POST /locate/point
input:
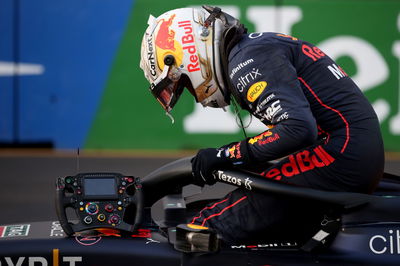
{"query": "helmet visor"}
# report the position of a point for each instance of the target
(166, 90)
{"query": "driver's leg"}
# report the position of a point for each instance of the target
(246, 214)
(243, 214)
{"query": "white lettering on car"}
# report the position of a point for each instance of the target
(381, 244)
(234, 180)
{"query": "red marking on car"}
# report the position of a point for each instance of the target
(144, 233)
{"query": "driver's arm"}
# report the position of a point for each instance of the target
(281, 104)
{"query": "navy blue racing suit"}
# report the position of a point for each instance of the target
(318, 120)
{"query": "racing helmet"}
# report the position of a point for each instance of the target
(181, 49)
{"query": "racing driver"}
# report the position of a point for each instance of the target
(319, 126)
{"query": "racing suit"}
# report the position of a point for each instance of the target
(316, 116)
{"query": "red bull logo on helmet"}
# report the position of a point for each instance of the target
(189, 45)
(165, 42)
(165, 37)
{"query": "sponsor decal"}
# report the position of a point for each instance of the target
(56, 229)
(287, 36)
(273, 110)
(270, 112)
(219, 152)
(139, 233)
(245, 80)
(247, 183)
(285, 244)
(88, 240)
(150, 56)
(14, 230)
(255, 90)
(388, 243)
(259, 137)
(337, 71)
(301, 162)
(55, 260)
(234, 180)
(312, 52)
(231, 152)
(268, 140)
(108, 232)
(165, 37)
(239, 67)
(255, 35)
(143, 233)
(189, 45)
(264, 102)
(283, 116)
(150, 240)
(234, 152)
(166, 43)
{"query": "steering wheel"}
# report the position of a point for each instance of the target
(100, 200)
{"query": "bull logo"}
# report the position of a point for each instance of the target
(165, 42)
(166, 37)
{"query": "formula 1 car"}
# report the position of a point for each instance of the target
(353, 229)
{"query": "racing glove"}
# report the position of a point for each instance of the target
(205, 162)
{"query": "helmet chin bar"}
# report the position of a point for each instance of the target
(160, 85)
(164, 82)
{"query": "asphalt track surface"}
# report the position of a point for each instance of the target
(27, 178)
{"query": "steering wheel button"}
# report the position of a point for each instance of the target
(92, 208)
(109, 207)
(88, 220)
(123, 183)
(119, 202)
(101, 217)
(81, 209)
(130, 179)
(68, 180)
(120, 208)
(114, 220)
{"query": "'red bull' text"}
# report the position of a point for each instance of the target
(301, 162)
(188, 45)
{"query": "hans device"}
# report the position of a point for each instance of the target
(100, 200)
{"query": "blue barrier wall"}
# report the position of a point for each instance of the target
(6, 75)
(65, 50)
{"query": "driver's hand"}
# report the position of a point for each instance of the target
(205, 162)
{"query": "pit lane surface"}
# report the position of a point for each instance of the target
(27, 178)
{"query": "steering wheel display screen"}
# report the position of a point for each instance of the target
(100, 187)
